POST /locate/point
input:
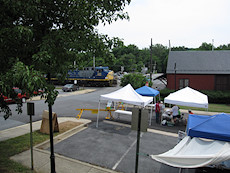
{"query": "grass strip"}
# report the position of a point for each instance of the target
(15, 146)
(211, 108)
(19, 144)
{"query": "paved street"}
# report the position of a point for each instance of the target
(65, 106)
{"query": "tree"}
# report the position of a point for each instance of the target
(180, 48)
(223, 47)
(205, 46)
(45, 37)
(160, 53)
(137, 80)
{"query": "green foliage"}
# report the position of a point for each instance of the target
(165, 92)
(222, 97)
(135, 79)
(134, 59)
(205, 46)
(39, 38)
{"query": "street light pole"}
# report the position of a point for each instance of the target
(52, 157)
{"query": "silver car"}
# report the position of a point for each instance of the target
(70, 87)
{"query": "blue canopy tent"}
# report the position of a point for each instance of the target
(216, 127)
(148, 91)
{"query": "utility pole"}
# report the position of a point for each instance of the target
(169, 46)
(175, 75)
(94, 61)
(151, 61)
(212, 44)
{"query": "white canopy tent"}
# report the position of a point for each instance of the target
(188, 97)
(195, 152)
(126, 95)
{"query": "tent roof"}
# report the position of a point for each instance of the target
(188, 97)
(147, 91)
(195, 152)
(127, 95)
(211, 127)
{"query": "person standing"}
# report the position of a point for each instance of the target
(175, 113)
(157, 111)
(162, 108)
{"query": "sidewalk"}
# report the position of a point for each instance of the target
(42, 157)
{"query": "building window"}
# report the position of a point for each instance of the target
(184, 83)
(222, 82)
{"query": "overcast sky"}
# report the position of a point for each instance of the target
(186, 23)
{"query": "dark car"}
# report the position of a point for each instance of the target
(70, 87)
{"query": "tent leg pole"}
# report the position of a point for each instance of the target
(99, 106)
(151, 114)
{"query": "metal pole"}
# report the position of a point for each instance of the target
(31, 144)
(175, 75)
(138, 140)
(52, 157)
(151, 61)
(94, 62)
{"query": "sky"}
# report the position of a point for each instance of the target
(186, 23)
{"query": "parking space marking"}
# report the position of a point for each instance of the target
(119, 161)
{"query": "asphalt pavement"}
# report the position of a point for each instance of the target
(109, 148)
(113, 146)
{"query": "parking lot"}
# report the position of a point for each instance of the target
(114, 147)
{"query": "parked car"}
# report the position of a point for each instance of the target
(20, 96)
(70, 87)
(39, 92)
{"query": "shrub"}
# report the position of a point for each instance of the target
(218, 96)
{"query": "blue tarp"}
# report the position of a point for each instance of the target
(216, 127)
(147, 91)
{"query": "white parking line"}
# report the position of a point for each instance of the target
(115, 166)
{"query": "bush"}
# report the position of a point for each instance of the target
(222, 97)
(137, 80)
(165, 92)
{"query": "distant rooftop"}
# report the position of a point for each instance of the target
(199, 62)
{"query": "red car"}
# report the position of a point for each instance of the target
(21, 96)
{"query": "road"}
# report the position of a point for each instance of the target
(64, 106)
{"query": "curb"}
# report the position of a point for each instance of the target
(78, 92)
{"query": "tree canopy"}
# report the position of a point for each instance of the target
(44, 37)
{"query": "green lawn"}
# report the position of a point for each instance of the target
(212, 108)
(15, 146)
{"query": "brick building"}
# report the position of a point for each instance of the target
(201, 70)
